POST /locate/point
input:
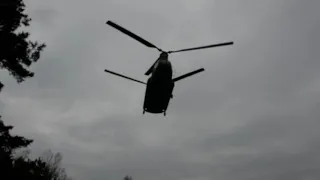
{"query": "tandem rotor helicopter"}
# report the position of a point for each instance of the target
(160, 84)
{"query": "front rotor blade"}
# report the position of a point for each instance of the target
(203, 47)
(188, 74)
(117, 74)
(134, 36)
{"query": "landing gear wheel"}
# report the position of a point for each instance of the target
(164, 113)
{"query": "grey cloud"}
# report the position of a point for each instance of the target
(253, 114)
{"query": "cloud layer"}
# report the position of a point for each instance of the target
(253, 114)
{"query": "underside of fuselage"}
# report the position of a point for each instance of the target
(157, 96)
(159, 89)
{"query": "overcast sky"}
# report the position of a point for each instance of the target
(253, 114)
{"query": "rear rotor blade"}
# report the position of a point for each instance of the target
(131, 34)
(202, 47)
(151, 68)
(188, 74)
(117, 74)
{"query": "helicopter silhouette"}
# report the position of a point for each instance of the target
(160, 84)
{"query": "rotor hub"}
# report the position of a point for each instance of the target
(164, 55)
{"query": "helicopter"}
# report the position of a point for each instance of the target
(160, 84)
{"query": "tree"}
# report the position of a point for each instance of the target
(53, 162)
(127, 178)
(8, 144)
(17, 53)
(22, 167)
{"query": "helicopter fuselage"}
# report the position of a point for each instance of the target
(160, 84)
(159, 88)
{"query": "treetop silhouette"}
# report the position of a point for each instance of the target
(17, 52)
